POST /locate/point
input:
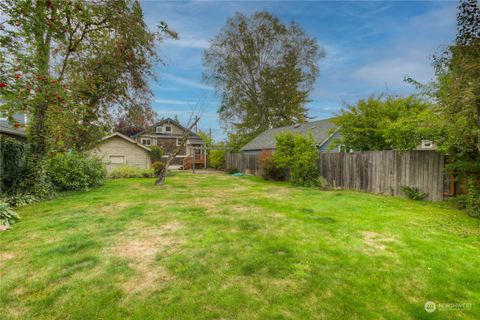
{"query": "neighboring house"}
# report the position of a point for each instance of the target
(10, 130)
(116, 150)
(324, 133)
(168, 134)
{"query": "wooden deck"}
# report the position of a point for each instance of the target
(199, 161)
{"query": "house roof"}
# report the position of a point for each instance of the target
(6, 127)
(118, 134)
(321, 130)
(169, 120)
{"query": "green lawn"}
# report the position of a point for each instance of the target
(221, 247)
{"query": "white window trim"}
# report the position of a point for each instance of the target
(168, 131)
(118, 156)
(146, 140)
(159, 129)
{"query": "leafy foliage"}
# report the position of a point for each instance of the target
(270, 170)
(131, 172)
(216, 159)
(413, 193)
(73, 171)
(299, 154)
(158, 167)
(13, 154)
(156, 154)
(264, 71)
(7, 215)
(384, 123)
(66, 63)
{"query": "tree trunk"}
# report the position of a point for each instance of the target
(38, 130)
(163, 173)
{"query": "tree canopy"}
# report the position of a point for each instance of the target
(264, 71)
(68, 63)
(384, 123)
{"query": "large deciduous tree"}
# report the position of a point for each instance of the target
(66, 63)
(264, 71)
(384, 123)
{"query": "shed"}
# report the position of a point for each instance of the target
(118, 150)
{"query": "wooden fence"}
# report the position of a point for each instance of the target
(381, 172)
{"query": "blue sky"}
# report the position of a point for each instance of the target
(370, 46)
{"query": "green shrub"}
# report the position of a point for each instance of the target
(270, 171)
(472, 199)
(413, 193)
(36, 182)
(156, 154)
(73, 171)
(157, 167)
(122, 172)
(13, 154)
(217, 159)
(299, 154)
(19, 200)
(231, 170)
(7, 215)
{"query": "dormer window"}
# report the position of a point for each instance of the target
(168, 129)
(159, 130)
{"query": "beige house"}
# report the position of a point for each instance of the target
(168, 135)
(118, 150)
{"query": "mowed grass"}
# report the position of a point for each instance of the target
(222, 247)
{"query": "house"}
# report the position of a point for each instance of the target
(168, 135)
(324, 133)
(117, 150)
(8, 129)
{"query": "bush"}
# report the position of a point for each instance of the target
(7, 215)
(413, 193)
(73, 171)
(131, 172)
(157, 167)
(217, 159)
(472, 199)
(156, 154)
(13, 154)
(231, 170)
(36, 182)
(19, 200)
(299, 154)
(270, 171)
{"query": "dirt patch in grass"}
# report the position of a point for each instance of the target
(376, 243)
(140, 245)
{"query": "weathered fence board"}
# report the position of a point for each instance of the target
(382, 172)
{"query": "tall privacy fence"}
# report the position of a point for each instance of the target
(372, 171)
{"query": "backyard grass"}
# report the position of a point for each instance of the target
(215, 246)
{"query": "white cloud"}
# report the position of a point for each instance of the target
(186, 82)
(175, 102)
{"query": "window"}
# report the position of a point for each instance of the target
(116, 159)
(427, 144)
(168, 129)
(159, 130)
(178, 142)
(146, 142)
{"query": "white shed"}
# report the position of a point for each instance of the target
(119, 150)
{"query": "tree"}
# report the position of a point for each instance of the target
(384, 123)
(299, 154)
(67, 62)
(264, 71)
(135, 119)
